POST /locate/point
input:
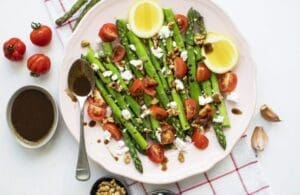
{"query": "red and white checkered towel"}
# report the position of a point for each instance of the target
(237, 174)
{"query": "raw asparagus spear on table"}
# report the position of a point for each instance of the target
(75, 7)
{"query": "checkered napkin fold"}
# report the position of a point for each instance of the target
(237, 174)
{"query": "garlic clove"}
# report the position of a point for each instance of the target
(268, 114)
(259, 139)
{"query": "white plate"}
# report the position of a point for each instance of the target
(196, 161)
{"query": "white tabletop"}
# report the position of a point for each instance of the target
(273, 32)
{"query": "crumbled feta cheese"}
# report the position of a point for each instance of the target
(188, 139)
(107, 73)
(144, 107)
(97, 55)
(121, 151)
(145, 113)
(179, 84)
(163, 70)
(165, 32)
(98, 41)
(127, 75)
(184, 55)
(137, 63)
(108, 112)
(164, 42)
(174, 44)
(126, 114)
(172, 105)
(204, 100)
(101, 53)
(180, 144)
(114, 77)
(132, 47)
(107, 135)
(169, 72)
(218, 119)
(157, 52)
(158, 134)
(121, 68)
(95, 67)
(233, 97)
(128, 26)
(121, 143)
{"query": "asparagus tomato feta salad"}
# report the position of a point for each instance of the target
(161, 81)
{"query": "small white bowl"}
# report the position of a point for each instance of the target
(19, 138)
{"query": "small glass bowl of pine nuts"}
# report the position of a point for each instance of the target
(110, 185)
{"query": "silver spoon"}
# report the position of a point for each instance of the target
(81, 82)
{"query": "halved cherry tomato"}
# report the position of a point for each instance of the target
(199, 139)
(158, 112)
(150, 91)
(156, 153)
(190, 108)
(203, 73)
(118, 54)
(149, 86)
(108, 32)
(41, 35)
(167, 134)
(96, 99)
(137, 87)
(182, 22)
(96, 113)
(180, 67)
(14, 49)
(227, 82)
(114, 130)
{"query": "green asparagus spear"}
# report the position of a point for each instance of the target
(189, 35)
(150, 70)
(122, 31)
(90, 56)
(220, 135)
(182, 117)
(133, 153)
(107, 49)
(157, 66)
(76, 6)
(154, 123)
(118, 114)
(194, 86)
(170, 17)
(85, 10)
(221, 107)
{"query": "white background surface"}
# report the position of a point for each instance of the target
(272, 30)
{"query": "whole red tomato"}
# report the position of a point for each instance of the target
(38, 64)
(41, 35)
(14, 49)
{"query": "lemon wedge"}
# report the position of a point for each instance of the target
(221, 54)
(146, 18)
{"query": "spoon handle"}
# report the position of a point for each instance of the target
(82, 168)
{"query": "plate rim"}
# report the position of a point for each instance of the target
(246, 47)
